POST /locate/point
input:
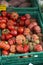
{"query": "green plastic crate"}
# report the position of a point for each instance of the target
(15, 60)
(40, 11)
(33, 8)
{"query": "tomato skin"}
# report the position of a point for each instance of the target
(0, 17)
(8, 36)
(19, 48)
(4, 46)
(28, 16)
(10, 27)
(27, 22)
(14, 32)
(4, 52)
(3, 20)
(11, 41)
(21, 23)
(3, 26)
(3, 37)
(38, 48)
(20, 39)
(4, 13)
(13, 49)
(23, 18)
(25, 48)
(20, 30)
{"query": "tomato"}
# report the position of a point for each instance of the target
(14, 32)
(27, 22)
(26, 31)
(21, 23)
(28, 16)
(8, 15)
(25, 48)
(8, 36)
(12, 41)
(10, 22)
(4, 46)
(4, 52)
(3, 26)
(10, 27)
(19, 48)
(20, 30)
(4, 13)
(3, 37)
(3, 21)
(37, 29)
(5, 31)
(23, 18)
(38, 48)
(0, 17)
(13, 49)
(20, 39)
(14, 15)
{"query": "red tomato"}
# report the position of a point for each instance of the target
(3, 26)
(3, 21)
(3, 37)
(23, 18)
(0, 17)
(10, 22)
(8, 36)
(4, 46)
(25, 48)
(10, 27)
(38, 48)
(4, 13)
(11, 41)
(27, 22)
(14, 15)
(26, 31)
(20, 30)
(28, 16)
(19, 48)
(4, 52)
(21, 23)
(14, 32)
(20, 39)
(13, 49)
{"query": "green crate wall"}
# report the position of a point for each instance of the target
(14, 60)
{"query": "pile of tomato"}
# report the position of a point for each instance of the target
(19, 34)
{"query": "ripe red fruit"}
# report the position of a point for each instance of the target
(4, 46)
(3, 21)
(19, 48)
(23, 18)
(14, 32)
(4, 13)
(0, 17)
(38, 48)
(8, 36)
(37, 29)
(3, 25)
(20, 30)
(13, 49)
(27, 22)
(26, 31)
(3, 37)
(10, 27)
(21, 23)
(20, 39)
(4, 52)
(25, 48)
(11, 41)
(28, 16)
